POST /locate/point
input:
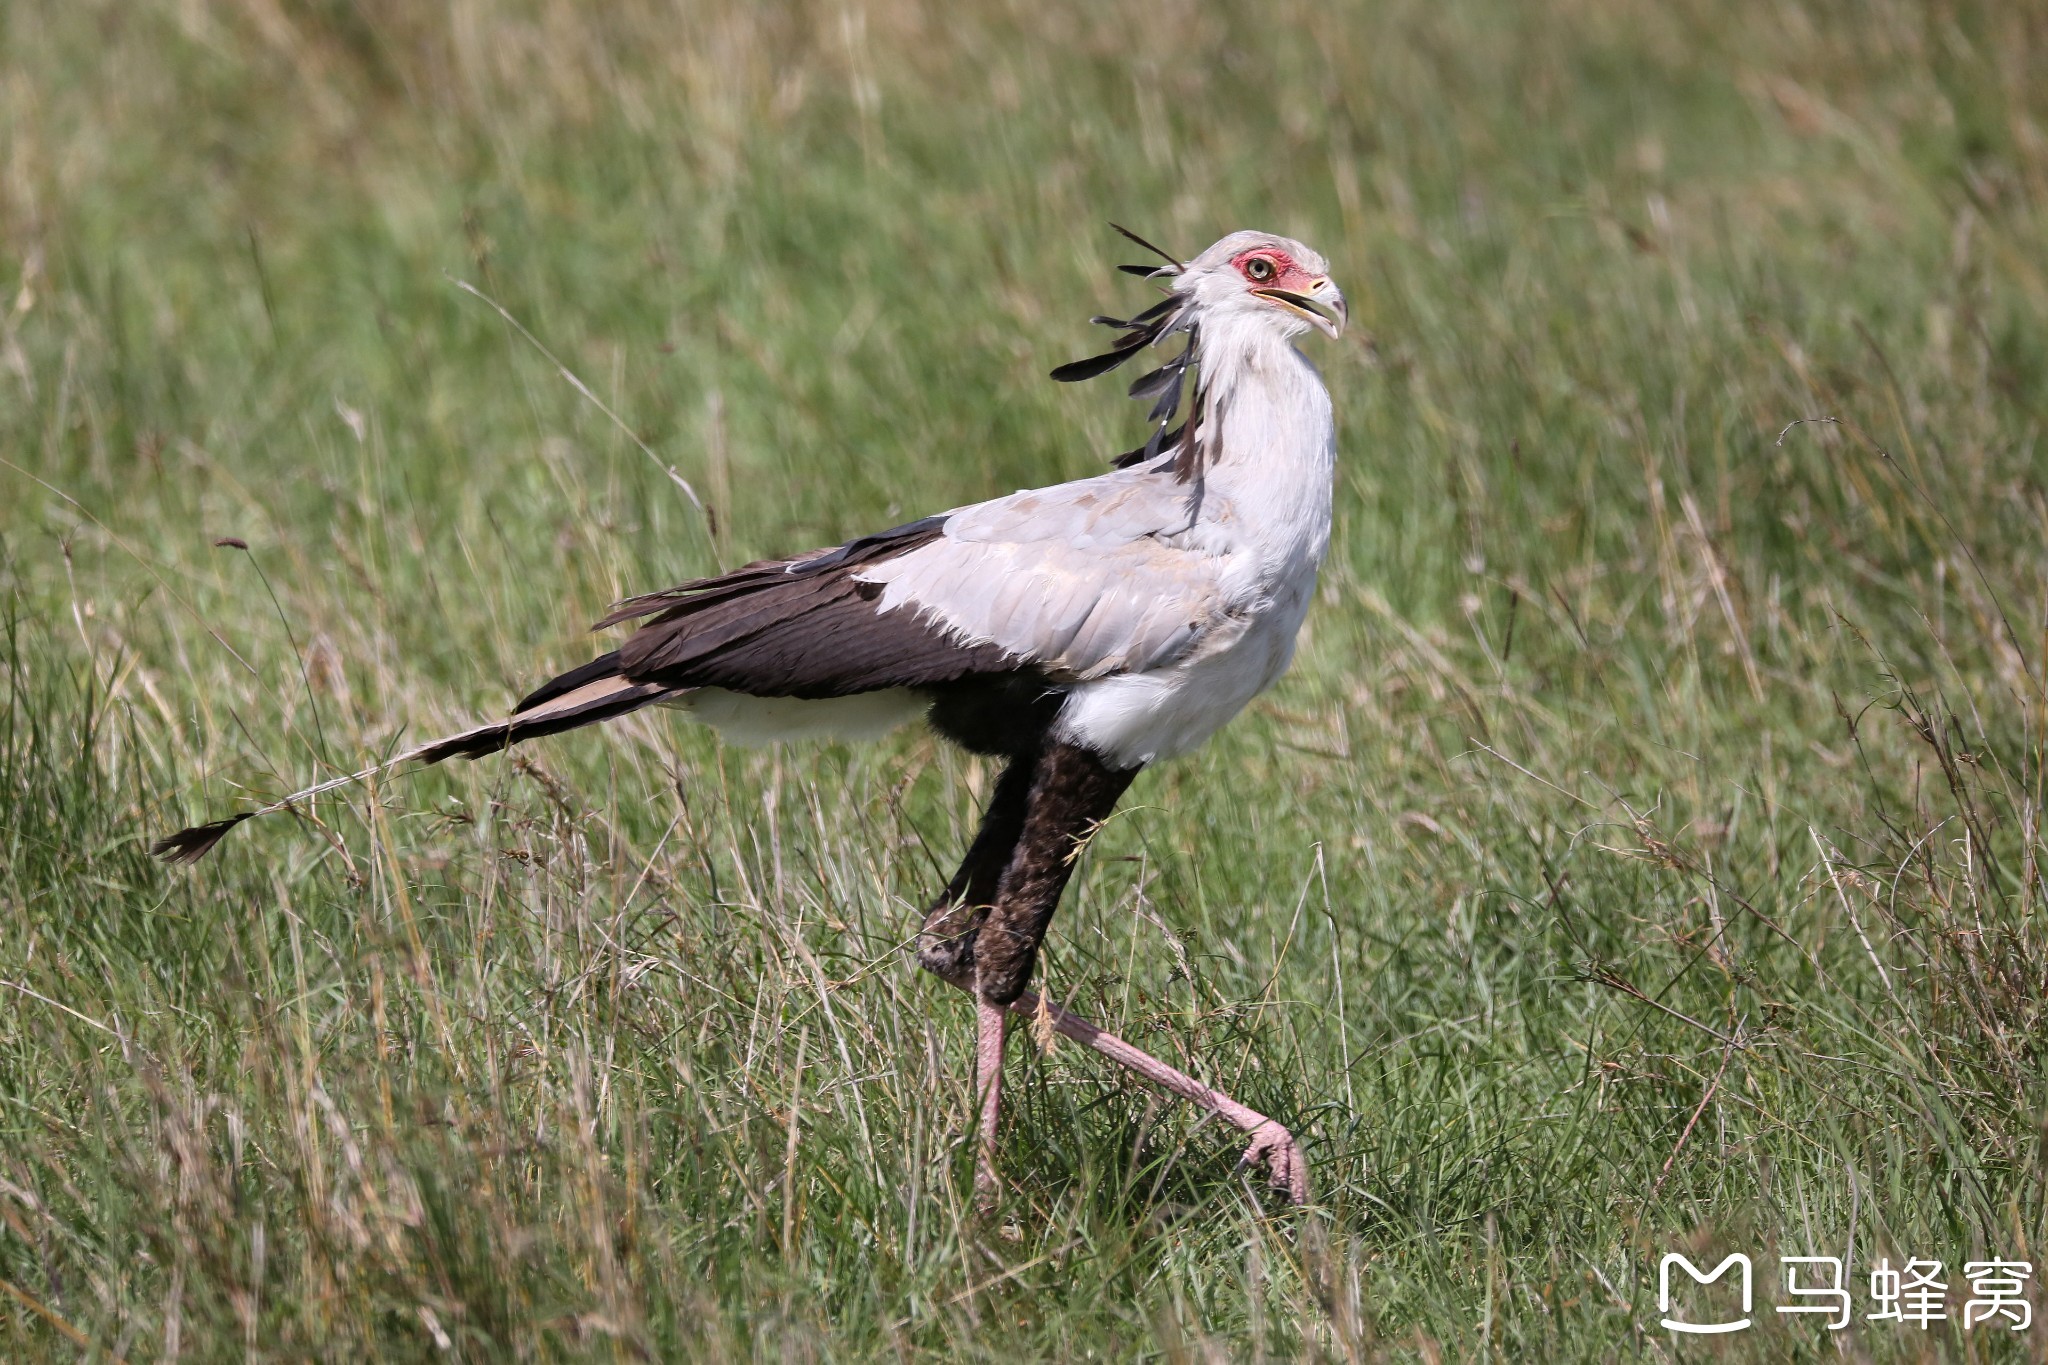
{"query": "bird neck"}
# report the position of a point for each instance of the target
(1269, 444)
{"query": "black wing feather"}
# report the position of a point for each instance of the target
(804, 627)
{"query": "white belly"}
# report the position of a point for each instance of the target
(1141, 718)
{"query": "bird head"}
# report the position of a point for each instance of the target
(1248, 277)
(1247, 281)
(1256, 277)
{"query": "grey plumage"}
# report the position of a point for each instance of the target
(987, 611)
(1082, 632)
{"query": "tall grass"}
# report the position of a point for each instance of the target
(1643, 855)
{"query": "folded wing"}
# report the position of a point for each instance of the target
(1084, 580)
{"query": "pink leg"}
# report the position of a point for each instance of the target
(1272, 1145)
(992, 1024)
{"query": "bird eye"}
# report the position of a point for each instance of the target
(1259, 269)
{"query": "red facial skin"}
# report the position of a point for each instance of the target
(1286, 275)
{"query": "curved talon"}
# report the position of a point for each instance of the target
(1275, 1148)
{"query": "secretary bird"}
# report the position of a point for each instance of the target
(1078, 633)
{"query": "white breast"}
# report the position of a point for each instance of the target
(1141, 718)
(1268, 501)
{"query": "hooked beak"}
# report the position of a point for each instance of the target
(1323, 305)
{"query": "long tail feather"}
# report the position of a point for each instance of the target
(598, 700)
(190, 845)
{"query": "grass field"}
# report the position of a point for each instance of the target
(1643, 855)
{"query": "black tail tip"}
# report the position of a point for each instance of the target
(188, 846)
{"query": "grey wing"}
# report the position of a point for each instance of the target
(1086, 579)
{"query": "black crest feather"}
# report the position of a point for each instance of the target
(1073, 372)
(1154, 447)
(1162, 254)
(1165, 386)
(1157, 322)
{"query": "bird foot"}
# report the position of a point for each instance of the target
(1275, 1148)
(988, 1189)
